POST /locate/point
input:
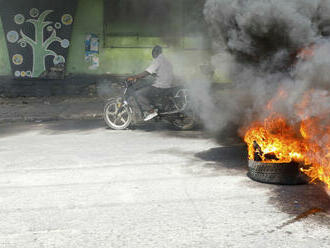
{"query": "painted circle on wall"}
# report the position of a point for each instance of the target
(23, 44)
(65, 43)
(34, 12)
(50, 28)
(19, 19)
(58, 25)
(17, 73)
(59, 59)
(29, 73)
(23, 74)
(12, 36)
(67, 19)
(17, 59)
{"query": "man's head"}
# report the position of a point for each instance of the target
(156, 51)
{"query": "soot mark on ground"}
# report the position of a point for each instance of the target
(300, 202)
(299, 217)
(297, 200)
(310, 201)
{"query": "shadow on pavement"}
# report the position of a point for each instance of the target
(167, 130)
(230, 157)
(73, 125)
(53, 127)
(10, 129)
(300, 201)
(64, 126)
(193, 134)
(152, 126)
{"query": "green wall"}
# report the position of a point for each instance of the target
(89, 16)
(89, 19)
(4, 59)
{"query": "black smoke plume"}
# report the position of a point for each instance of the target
(259, 44)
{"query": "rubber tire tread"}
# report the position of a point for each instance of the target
(276, 173)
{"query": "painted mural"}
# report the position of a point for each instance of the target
(38, 37)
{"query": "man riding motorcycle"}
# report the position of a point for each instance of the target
(163, 70)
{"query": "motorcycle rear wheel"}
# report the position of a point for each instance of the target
(185, 122)
(116, 116)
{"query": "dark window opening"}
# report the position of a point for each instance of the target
(143, 23)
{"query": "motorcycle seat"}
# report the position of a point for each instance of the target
(167, 92)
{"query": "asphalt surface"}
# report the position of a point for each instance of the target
(78, 184)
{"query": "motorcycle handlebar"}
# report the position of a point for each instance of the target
(123, 84)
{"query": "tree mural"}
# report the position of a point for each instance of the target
(41, 44)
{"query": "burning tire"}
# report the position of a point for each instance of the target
(276, 173)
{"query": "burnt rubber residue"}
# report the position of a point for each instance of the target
(301, 216)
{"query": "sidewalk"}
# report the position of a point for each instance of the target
(68, 107)
(50, 108)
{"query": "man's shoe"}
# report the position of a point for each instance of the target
(150, 115)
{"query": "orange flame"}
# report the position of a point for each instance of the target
(276, 139)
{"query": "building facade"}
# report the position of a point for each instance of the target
(103, 37)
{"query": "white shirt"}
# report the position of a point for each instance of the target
(164, 72)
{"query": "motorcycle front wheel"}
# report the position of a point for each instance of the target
(116, 115)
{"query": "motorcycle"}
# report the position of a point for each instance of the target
(125, 111)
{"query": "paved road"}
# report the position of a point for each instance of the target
(76, 184)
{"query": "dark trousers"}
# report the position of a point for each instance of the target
(147, 95)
